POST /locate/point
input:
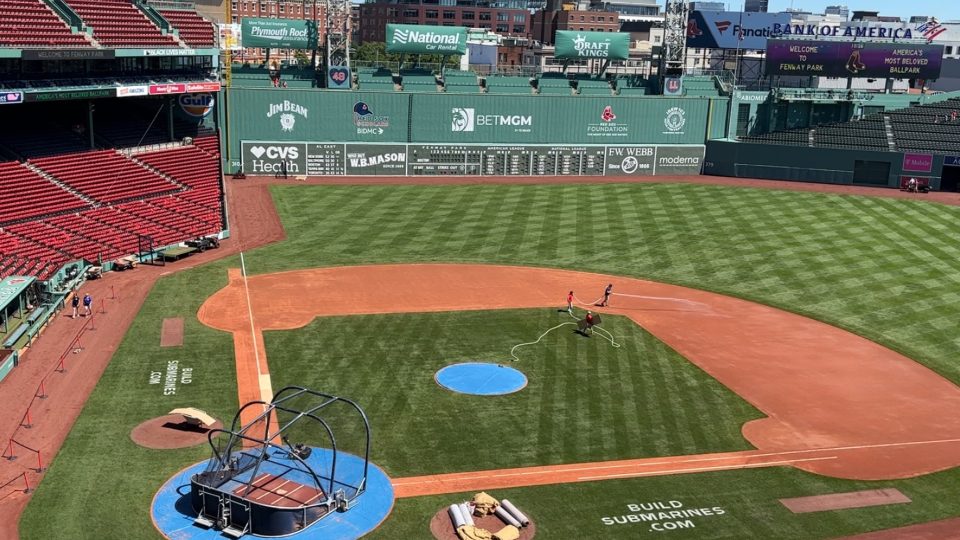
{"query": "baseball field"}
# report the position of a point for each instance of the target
(769, 344)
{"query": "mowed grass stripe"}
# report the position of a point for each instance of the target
(570, 389)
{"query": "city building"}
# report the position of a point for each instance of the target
(842, 11)
(374, 17)
(639, 8)
(756, 5)
(708, 6)
(546, 23)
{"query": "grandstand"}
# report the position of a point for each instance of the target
(932, 128)
(84, 175)
(32, 23)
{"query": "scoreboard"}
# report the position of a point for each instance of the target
(359, 159)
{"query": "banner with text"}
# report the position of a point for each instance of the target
(732, 29)
(582, 45)
(278, 33)
(418, 39)
(853, 59)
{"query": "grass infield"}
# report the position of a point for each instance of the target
(883, 268)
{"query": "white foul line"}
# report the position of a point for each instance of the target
(253, 336)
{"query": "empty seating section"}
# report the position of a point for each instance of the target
(43, 225)
(105, 176)
(25, 194)
(929, 128)
(209, 144)
(30, 23)
(508, 85)
(118, 23)
(193, 29)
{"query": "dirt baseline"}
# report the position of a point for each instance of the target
(822, 388)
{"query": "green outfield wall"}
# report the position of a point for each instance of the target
(824, 165)
(314, 116)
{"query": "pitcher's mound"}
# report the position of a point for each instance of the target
(442, 527)
(170, 432)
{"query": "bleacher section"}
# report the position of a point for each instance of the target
(375, 79)
(700, 86)
(929, 128)
(497, 84)
(418, 80)
(43, 225)
(193, 29)
(105, 176)
(460, 81)
(31, 23)
(118, 23)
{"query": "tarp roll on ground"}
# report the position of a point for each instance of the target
(465, 512)
(517, 514)
(506, 517)
(456, 516)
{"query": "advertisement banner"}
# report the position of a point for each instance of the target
(65, 95)
(917, 162)
(68, 54)
(196, 105)
(10, 98)
(951, 161)
(418, 39)
(278, 33)
(679, 160)
(203, 87)
(853, 59)
(272, 159)
(164, 89)
(630, 160)
(230, 37)
(376, 159)
(132, 91)
(733, 29)
(580, 45)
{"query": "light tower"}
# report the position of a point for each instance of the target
(673, 55)
(339, 33)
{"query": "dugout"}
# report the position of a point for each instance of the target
(18, 296)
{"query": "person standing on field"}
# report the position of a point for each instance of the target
(87, 302)
(570, 302)
(606, 294)
(76, 305)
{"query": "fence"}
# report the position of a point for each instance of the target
(14, 445)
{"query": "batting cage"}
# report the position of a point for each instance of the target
(284, 465)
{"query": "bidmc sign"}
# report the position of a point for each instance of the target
(417, 39)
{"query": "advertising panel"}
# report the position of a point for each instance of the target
(419, 39)
(679, 160)
(630, 160)
(164, 89)
(853, 59)
(733, 29)
(230, 37)
(10, 98)
(133, 91)
(278, 33)
(917, 162)
(68, 54)
(376, 159)
(581, 45)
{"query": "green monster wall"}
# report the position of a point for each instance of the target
(316, 116)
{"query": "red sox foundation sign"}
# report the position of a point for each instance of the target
(663, 516)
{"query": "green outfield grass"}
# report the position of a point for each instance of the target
(886, 269)
(585, 399)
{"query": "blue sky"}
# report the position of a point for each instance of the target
(941, 9)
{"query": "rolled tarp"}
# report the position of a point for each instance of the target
(456, 516)
(506, 517)
(465, 512)
(517, 514)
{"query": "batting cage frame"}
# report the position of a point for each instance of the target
(259, 481)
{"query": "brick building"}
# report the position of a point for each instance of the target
(544, 24)
(374, 17)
